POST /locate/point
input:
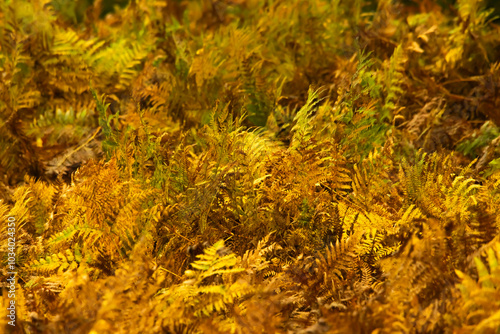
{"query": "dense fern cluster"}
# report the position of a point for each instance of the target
(250, 166)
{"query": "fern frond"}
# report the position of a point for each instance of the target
(393, 82)
(213, 262)
(66, 234)
(61, 262)
(461, 195)
(339, 258)
(373, 248)
(302, 130)
(481, 307)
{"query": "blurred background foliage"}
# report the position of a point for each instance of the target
(75, 9)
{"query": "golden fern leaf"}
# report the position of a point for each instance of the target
(340, 258)
(373, 247)
(480, 309)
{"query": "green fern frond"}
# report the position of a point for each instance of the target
(60, 262)
(302, 130)
(110, 143)
(393, 82)
(259, 105)
(68, 126)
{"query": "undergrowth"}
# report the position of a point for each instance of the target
(250, 166)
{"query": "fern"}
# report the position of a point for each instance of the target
(393, 83)
(302, 129)
(258, 108)
(341, 209)
(200, 294)
(372, 247)
(480, 308)
(340, 260)
(111, 141)
(61, 262)
(472, 20)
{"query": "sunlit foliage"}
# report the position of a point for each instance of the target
(251, 166)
